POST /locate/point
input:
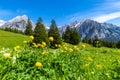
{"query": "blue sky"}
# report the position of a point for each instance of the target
(63, 11)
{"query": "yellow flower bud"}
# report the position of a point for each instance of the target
(51, 38)
(31, 37)
(38, 64)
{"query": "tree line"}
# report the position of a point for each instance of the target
(70, 35)
(15, 30)
(41, 35)
(96, 42)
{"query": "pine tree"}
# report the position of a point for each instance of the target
(67, 35)
(96, 42)
(28, 30)
(85, 40)
(40, 34)
(54, 32)
(118, 44)
(75, 37)
(63, 36)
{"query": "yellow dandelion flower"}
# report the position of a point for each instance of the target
(86, 65)
(55, 45)
(31, 37)
(70, 49)
(38, 64)
(7, 55)
(89, 59)
(51, 38)
(44, 44)
(35, 45)
(18, 47)
(83, 46)
(76, 48)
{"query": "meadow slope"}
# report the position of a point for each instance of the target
(69, 62)
(81, 62)
(10, 40)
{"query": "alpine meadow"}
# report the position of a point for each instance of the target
(60, 40)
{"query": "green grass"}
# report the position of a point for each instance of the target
(81, 62)
(10, 40)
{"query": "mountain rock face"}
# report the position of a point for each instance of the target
(18, 22)
(89, 28)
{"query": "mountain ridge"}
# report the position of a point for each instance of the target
(86, 28)
(18, 22)
(90, 28)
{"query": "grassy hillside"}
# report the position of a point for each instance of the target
(82, 62)
(10, 40)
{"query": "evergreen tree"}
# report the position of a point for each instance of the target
(118, 44)
(85, 40)
(75, 37)
(54, 32)
(28, 30)
(40, 34)
(63, 36)
(96, 42)
(67, 35)
(90, 41)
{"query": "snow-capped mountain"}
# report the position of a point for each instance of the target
(2, 22)
(86, 28)
(89, 28)
(18, 22)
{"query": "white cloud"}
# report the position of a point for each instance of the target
(109, 5)
(107, 17)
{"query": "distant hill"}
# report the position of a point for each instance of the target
(10, 40)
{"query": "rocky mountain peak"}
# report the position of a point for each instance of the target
(90, 28)
(18, 22)
(19, 18)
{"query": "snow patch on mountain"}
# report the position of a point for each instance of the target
(2, 22)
